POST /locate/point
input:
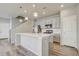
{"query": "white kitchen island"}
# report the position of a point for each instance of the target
(37, 43)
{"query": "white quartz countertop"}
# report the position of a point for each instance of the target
(34, 34)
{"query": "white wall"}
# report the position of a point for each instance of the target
(69, 27)
(22, 28)
(4, 28)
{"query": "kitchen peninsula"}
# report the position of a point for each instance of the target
(38, 43)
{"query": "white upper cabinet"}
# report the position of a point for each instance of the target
(54, 20)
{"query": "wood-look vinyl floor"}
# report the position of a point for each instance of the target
(58, 50)
(6, 49)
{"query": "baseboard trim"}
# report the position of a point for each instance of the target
(3, 38)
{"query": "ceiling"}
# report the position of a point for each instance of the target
(8, 10)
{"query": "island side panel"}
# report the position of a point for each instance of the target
(33, 44)
(45, 46)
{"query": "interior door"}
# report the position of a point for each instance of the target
(69, 34)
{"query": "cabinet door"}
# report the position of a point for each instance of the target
(56, 23)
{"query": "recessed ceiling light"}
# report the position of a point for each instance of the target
(25, 11)
(26, 18)
(34, 5)
(44, 12)
(20, 20)
(62, 5)
(35, 14)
